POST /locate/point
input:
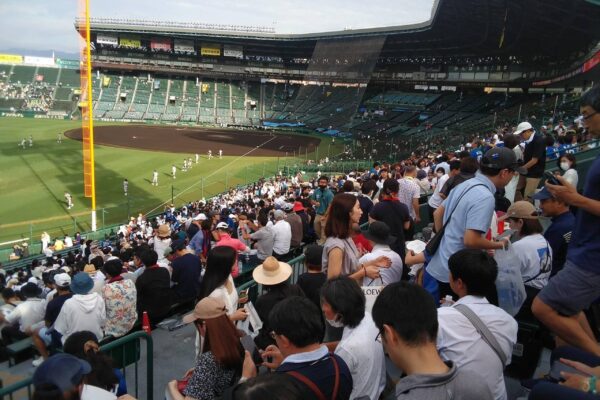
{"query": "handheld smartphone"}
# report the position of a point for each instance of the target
(506, 234)
(243, 296)
(248, 344)
(558, 367)
(550, 178)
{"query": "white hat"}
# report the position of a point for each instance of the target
(222, 225)
(62, 280)
(200, 217)
(522, 127)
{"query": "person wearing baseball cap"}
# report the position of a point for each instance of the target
(60, 377)
(222, 354)
(534, 158)
(26, 316)
(558, 234)
(225, 239)
(471, 205)
(47, 337)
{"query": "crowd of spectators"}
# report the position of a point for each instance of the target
(358, 303)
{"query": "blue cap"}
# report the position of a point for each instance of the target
(61, 370)
(543, 194)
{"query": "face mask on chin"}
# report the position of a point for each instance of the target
(336, 323)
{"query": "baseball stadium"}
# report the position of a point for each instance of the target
(185, 114)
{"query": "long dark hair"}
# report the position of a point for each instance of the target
(219, 264)
(338, 218)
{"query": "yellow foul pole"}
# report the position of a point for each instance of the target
(87, 120)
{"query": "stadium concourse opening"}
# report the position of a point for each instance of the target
(200, 140)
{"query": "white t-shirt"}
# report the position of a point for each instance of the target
(364, 357)
(282, 237)
(388, 275)
(230, 299)
(436, 200)
(533, 251)
(571, 176)
(29, 313)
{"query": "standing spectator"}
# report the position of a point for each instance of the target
(295, 224)
(196, 234)
(340, 255)
(120, 297)
(186, 272)
(559, 305)
(409, 193)
(343, 303)
(558, 234)
(567, 164)
(282, 236)
(311, 281)
(321, 198)
(367, 191)
(534, 158)
(472, 278)
(472, 207)
(406, 317)
(85, 311)
(152, 285)
(468, 168)
(395, 214)
(511, 142)
(436, 199)
(160, 242)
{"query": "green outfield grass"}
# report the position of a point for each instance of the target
(33, 180)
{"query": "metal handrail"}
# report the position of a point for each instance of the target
(121, 342)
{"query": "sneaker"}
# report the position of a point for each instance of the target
(38, 361)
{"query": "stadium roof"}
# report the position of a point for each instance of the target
(522, 28)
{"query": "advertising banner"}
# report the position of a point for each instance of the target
(184, 46)
(11, 59)
(71, 64)
(160, 44)
(107, 39)
(130, 42)
(210, 50)
(233, 51)
(43, 61)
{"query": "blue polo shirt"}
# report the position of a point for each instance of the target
(584, 249)
(558, 236)
(474, 211)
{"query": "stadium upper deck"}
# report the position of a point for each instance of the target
(528, 40)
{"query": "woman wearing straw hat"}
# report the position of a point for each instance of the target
(160, 241)
(274, 276)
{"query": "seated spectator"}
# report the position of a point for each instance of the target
(273, 275)
(160, 241)
(84, 311)
(282, 236)
(263, 240)
(380, 237)
(406, 316)
(225, 239)
(267, 387)
(532, 250)
(297, 330)
(11, 301)
(295, 224)
(343, 305)
(186, 273)
(60, 377)
(567, 164)
(26, 317)
(152, 286)
(311, 281)
(220, 364)
(120, 297)
(558, 234)
(84, 345)
(472, 277)
(47, 337)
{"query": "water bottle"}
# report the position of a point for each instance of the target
(448, 302)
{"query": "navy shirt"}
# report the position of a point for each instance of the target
(536, 149)
(54, 306)
(186, 276)
(584, 249)
(558, 235)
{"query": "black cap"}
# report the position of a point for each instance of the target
(501, 158)
(379, 232)
(177, 245)
(391, 185)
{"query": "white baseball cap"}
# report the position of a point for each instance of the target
(62, 280)
(200, 217)
(522, 127)
(222, 225)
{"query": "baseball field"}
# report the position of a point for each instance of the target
(34, 179)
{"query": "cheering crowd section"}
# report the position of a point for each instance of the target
(324, 335)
